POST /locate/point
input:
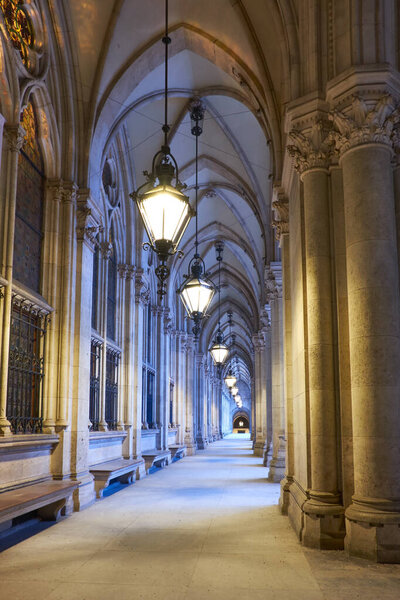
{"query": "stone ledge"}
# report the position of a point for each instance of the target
(16, 444)
(105, 438)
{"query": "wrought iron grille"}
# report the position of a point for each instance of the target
(94, 399)
(111, 407)
(26, 368)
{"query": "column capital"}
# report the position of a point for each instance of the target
(280, 208)
(142, 288)
(258, 342)
(88, 221)
(311, 147)
(14, 137)
(365, 122)
(189, 343)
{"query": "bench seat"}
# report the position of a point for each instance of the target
(156, 458)
(50, 499)
(125, 470)
(178, 450)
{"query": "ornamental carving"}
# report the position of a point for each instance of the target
(280, 208)
(311, 150)
(142, 289)
(87, 227)
(273, 288)
(14, 136)
(258, 342)
(364, 124)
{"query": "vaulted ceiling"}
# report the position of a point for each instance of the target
(231, 55)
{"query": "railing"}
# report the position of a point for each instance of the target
(26, 367)
(94, 397)
(111, 396)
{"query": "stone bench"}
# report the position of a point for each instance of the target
(50, 499)
(156, 458)
(178, 450)
(125, 470)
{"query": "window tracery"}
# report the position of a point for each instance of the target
(20, 28)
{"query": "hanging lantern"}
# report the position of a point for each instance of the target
(197, 291)
(230, 379)
(234, 390)
(164, 208)
(219, 351)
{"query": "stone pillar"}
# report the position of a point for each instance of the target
(260, 445)
(142, 298)
(127, 386)
(13, 140)
(167, 331)
(280, 207)
(86, 230)
(274, 294)
(201, 402)
(180, 384)
(323, 521)
(363, 136)
(189, 428)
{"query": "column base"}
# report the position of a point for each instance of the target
(276, 470)
(260, 448)
(324, 525)
(318, 521)
(5, 427)
(284, 497)
(85, 495)
(201, 442)
(373, 530)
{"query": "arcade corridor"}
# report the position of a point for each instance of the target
(206, 527)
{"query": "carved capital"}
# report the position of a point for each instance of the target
(258, 342)
(311, 149)
(105, 249)
(14, 137)
(142, 289)
(273, 287)
(280, 208)
(365, 122)
(87, 226)
(126, 271)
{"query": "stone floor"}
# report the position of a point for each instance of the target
(206, 527)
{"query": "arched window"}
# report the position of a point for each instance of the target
(29, 206)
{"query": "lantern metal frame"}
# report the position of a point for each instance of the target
(218, 341)
(196, 267)
(164, 169)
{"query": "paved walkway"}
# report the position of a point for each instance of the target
(204, 528)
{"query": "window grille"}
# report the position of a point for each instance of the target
(26, 368)
(171, 403)
(94, 399)
(111, 407)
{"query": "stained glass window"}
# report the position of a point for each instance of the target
(112, 291)
(19, 27)
(29, 206)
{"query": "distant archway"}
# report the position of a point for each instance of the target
(241, 424)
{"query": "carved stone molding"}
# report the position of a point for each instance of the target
(280, 207)
(273, 287)
(87, 226)
(363, 123)
(258, 342)
(105, 249)
(311, 149)
(126, 271)
(13, 137)
(142, 289)
(189, 343)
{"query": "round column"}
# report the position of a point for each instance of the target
(323, 524)
(373, 294)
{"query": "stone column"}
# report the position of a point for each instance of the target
(363, 137)
(274, 294)
(260, 445)
(167, 330)
(86, 230)
(323, 524)
(180, 384)
(13, 140)
(142, 298)
(127, 386)
(281, 208)
(201, 402)
(189, 428)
